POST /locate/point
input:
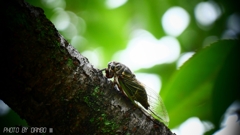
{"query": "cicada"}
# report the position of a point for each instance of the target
(136, 91)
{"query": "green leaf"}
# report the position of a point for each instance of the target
(226, 89)
(194, 89)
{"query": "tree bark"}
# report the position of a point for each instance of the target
(50, 84)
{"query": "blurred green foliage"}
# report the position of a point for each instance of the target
(110, 29)
(204, 86)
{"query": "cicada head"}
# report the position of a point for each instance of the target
(110, 70)
(120, 69)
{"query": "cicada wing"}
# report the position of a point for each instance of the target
(157, 106)
(149, 100)
(134, 90)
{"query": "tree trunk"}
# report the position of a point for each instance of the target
(50, 84)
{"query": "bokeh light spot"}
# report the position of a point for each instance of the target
(70, 31)
(150, 80)
(183, 58)
(54, 3)
(78, 41)
(206, 13)
(192, 126)
(94, 56)
(233, 27)
(115, 3)
(4, 109)
(209, 40)
(175, 20)
(60, 19)
(144, 51)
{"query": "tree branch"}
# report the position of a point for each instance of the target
(50, 84)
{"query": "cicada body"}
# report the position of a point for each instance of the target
(136, 91)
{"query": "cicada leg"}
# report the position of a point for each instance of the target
(115, 82)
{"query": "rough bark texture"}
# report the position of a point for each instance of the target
(49, 84)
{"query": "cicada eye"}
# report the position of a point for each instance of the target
(112, 67)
